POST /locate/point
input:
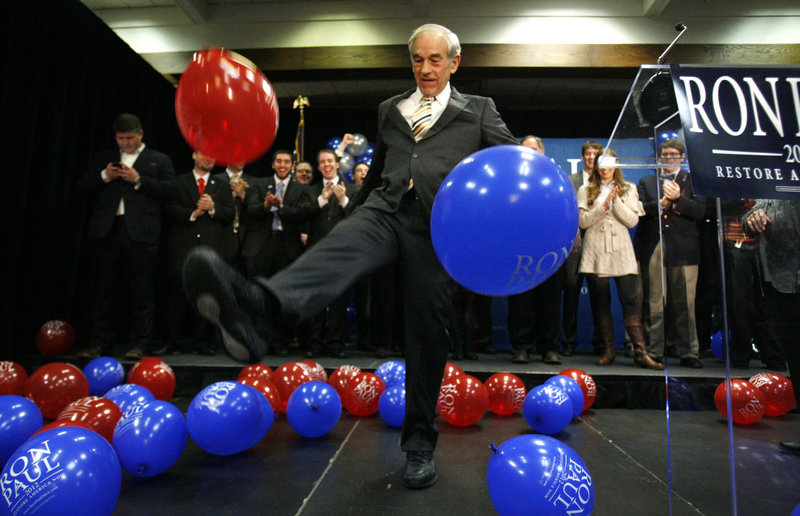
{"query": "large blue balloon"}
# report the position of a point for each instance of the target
(537, 474)
(392, 405)
(313, 409)
(504, 220)
(572, 389)
(226, 418)
(267, 412)
(150, 438)
(548, 409)
(103, 374)
(392, 372)
(62, 471)
(129, 394)
(20, 418)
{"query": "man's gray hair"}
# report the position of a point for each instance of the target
(453, 45)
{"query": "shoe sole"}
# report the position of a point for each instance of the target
(429, 483)
(239, 338)
(208, 307)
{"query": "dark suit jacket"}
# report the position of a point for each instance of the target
(233, 240)
(184, 234)
(468, 124)
(142, 206)
(292, 214)
(322, 220)
(678, 223)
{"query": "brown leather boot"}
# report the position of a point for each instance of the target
(606, 330)
(640, 356)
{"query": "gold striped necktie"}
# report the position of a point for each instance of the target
(421, 119)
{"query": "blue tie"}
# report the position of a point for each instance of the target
(276, 219)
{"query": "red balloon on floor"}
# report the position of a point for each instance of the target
(778, 392)
(287, 378)
(55, 338)
(747, 402)
(506, 393)
(586, 383)
(154, 374)
(267, 388)
(258, 370)
(226, 108)
(339, 378)
(12, 378)
(450, 370)
(95, 413)
(54, 386)
(362, 394)
(463, 400)
(315, 370)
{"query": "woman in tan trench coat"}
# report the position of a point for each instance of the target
(608, 206)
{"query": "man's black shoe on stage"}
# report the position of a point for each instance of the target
(236, 306)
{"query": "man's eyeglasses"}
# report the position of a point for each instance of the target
(671, 155)
(301, 171)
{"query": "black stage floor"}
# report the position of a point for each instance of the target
(356, 469)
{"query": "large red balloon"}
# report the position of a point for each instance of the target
(155, 375)
(226, 108)
(586, 383)
(95, 413)
(54, 386)
(287, 378)
(267, 388)
(506, 393)
(12, 378)
(450, 370)
(778, 393)
(747, 402)
(463, 400)
(339, 378)
(362, 394)
(258, 370)
(54, 338)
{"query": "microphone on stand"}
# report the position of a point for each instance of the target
(681, 28)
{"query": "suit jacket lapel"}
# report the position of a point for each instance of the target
(457, 104)
(397, 118)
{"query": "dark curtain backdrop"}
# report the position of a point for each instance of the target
(66, 75)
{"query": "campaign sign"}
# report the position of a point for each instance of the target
(742, 129)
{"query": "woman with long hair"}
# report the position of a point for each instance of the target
(608, 206)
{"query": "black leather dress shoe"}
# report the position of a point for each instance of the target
(551, 357)
(420, 470)
(691, 362)
(791, 446)
(224, 297)
(520, 356)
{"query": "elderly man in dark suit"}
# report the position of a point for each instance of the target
(126, 187)
(423, 134)
(676, 209)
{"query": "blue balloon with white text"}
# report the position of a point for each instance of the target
(504, 220)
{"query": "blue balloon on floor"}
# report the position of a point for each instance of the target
(313, 409)
(548, 409)
(226, 418)
(392, 405)
(572, 389)
(537, 474)
(150, 438)
(64, 471)
(504, 220)
(269, 415)
(103, 374)
(796, 511)
(20, 418)
(392, 372)
(129, 394)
